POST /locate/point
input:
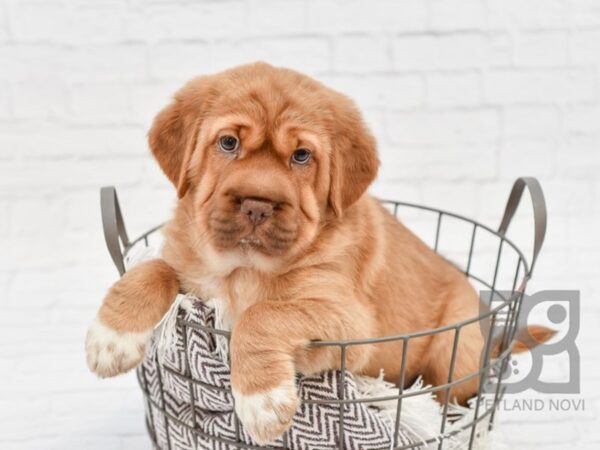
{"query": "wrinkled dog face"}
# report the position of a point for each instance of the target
(263, 191)
(267, 155)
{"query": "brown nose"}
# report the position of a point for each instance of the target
(257, 210)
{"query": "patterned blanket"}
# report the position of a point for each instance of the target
(189, 404)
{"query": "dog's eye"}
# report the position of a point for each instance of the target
(301, 156)
(228, 144)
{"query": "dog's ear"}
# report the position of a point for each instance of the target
(175, 129)
(354, 160)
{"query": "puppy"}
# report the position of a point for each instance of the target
(271, 169)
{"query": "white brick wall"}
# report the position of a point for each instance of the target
(463, 96)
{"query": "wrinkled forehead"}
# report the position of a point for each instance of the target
(276, 119)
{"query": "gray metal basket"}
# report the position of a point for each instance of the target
(502, 315)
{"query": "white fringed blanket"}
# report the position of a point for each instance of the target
(185, 362)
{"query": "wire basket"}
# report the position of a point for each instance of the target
(487, 256)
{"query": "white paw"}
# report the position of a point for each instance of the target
(110, 353)
(267, 415)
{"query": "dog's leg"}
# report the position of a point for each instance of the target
(469, 352)
(117, 339)
(461, 302)
(270, 343)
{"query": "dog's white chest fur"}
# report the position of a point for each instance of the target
(234, 293)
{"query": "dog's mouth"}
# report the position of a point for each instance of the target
(271, 239)
(263, 241)
(251, 241)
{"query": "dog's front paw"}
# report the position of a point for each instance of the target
(267, 415)
(110, 353)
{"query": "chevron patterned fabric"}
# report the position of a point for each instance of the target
(189, 404)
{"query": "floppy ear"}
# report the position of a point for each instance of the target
(354, 160)
(174, 132)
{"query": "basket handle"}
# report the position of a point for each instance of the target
(539, 212)
(115, 234)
